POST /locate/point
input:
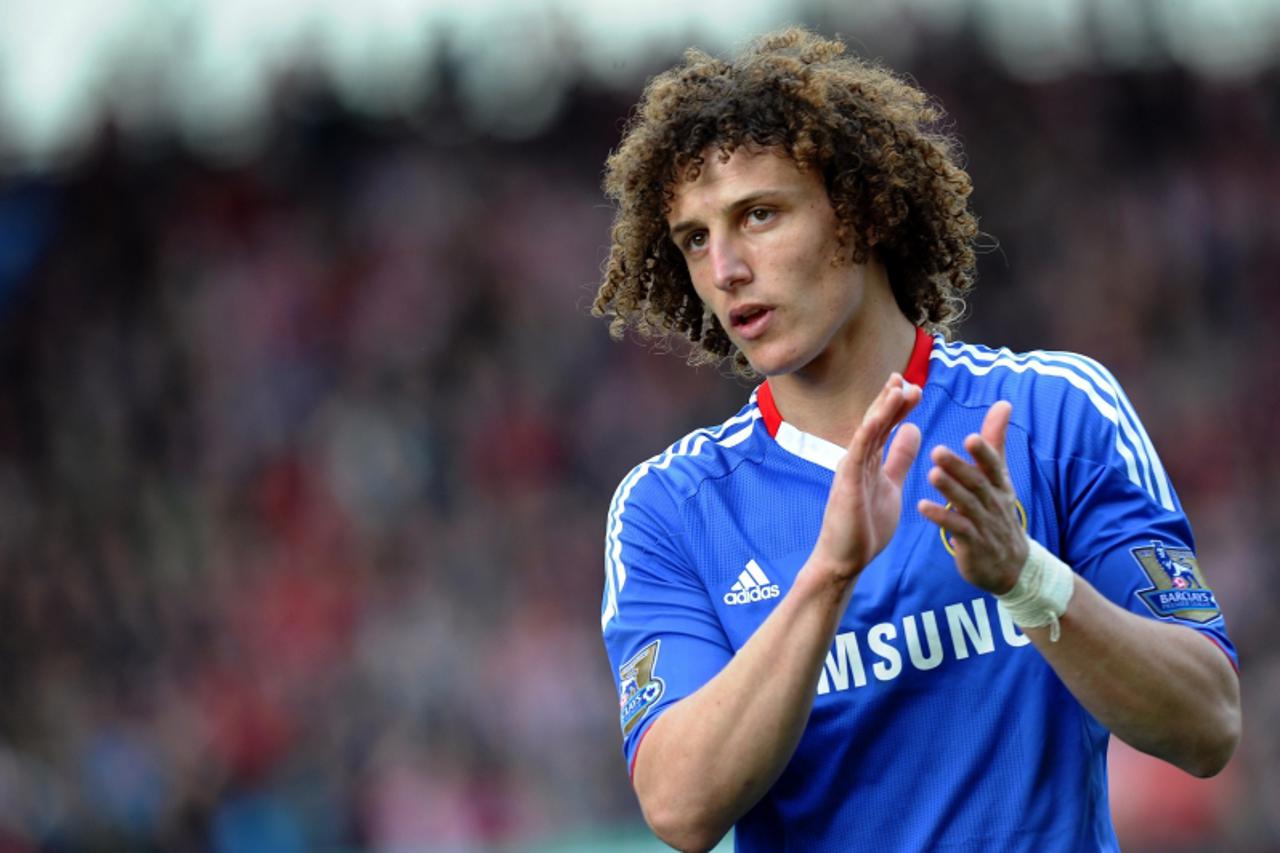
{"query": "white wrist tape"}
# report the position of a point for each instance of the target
(1042, 592)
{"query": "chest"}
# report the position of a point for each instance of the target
(755, 532)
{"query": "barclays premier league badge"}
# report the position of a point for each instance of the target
(1179, 590)
(640, 690)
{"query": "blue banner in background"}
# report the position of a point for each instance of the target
(28, 214)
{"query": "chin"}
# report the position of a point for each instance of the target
(775, 364)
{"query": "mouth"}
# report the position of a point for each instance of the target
(750, 321)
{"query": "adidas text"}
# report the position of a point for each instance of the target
(758, 593)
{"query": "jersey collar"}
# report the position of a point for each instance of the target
(819, 450)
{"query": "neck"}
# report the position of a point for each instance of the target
(829, 396)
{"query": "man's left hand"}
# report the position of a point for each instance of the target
(981, 516)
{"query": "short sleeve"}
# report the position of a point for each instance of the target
(661, 632)
(1125, 529)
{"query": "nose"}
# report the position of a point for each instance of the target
(729, 266)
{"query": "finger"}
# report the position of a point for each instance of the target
(912, 394)
(884, 412)
(871, 418)
(888, 402)
(902, 452)
(970, 476)
(995, 426)
(907, 399)
(952, 522)
(962, 499)
(867, 445)
(988, 460)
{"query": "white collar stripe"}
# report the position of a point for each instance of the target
(810, 447)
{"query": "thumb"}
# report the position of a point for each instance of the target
(902, 452)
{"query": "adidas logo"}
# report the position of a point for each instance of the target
(752, 586)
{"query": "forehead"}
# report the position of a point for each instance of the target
(747, 172)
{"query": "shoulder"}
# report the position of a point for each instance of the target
(1069, 405)
(977, 372)
(1064, 391)
(707, 453)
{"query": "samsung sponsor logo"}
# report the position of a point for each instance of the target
(918, 642)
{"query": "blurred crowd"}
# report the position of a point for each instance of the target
(304, 458)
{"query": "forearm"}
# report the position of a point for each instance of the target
(715, 753)
(1155, 685)
(712, 756)
(1158, 687)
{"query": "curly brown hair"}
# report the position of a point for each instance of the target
(891, 174)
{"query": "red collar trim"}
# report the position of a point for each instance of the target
(768, 409)
(917, 373)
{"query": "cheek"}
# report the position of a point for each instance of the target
(844, 295)
(808, 253)
(704, 299)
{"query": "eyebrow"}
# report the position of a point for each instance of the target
(751, 200)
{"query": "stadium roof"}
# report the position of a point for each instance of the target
(205, 66)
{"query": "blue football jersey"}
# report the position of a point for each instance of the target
(935, 723)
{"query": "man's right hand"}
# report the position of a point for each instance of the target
(866, 495)
(711, 756)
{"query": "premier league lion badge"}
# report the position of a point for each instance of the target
(640, 689)
(1179, 590)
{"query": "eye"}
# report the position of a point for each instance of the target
(695, 240)
(759, 215)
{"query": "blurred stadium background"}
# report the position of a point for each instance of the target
(306, 436)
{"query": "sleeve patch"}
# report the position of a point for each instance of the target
(640, 689)
(1178, 588)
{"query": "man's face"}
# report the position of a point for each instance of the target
(759, 237)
